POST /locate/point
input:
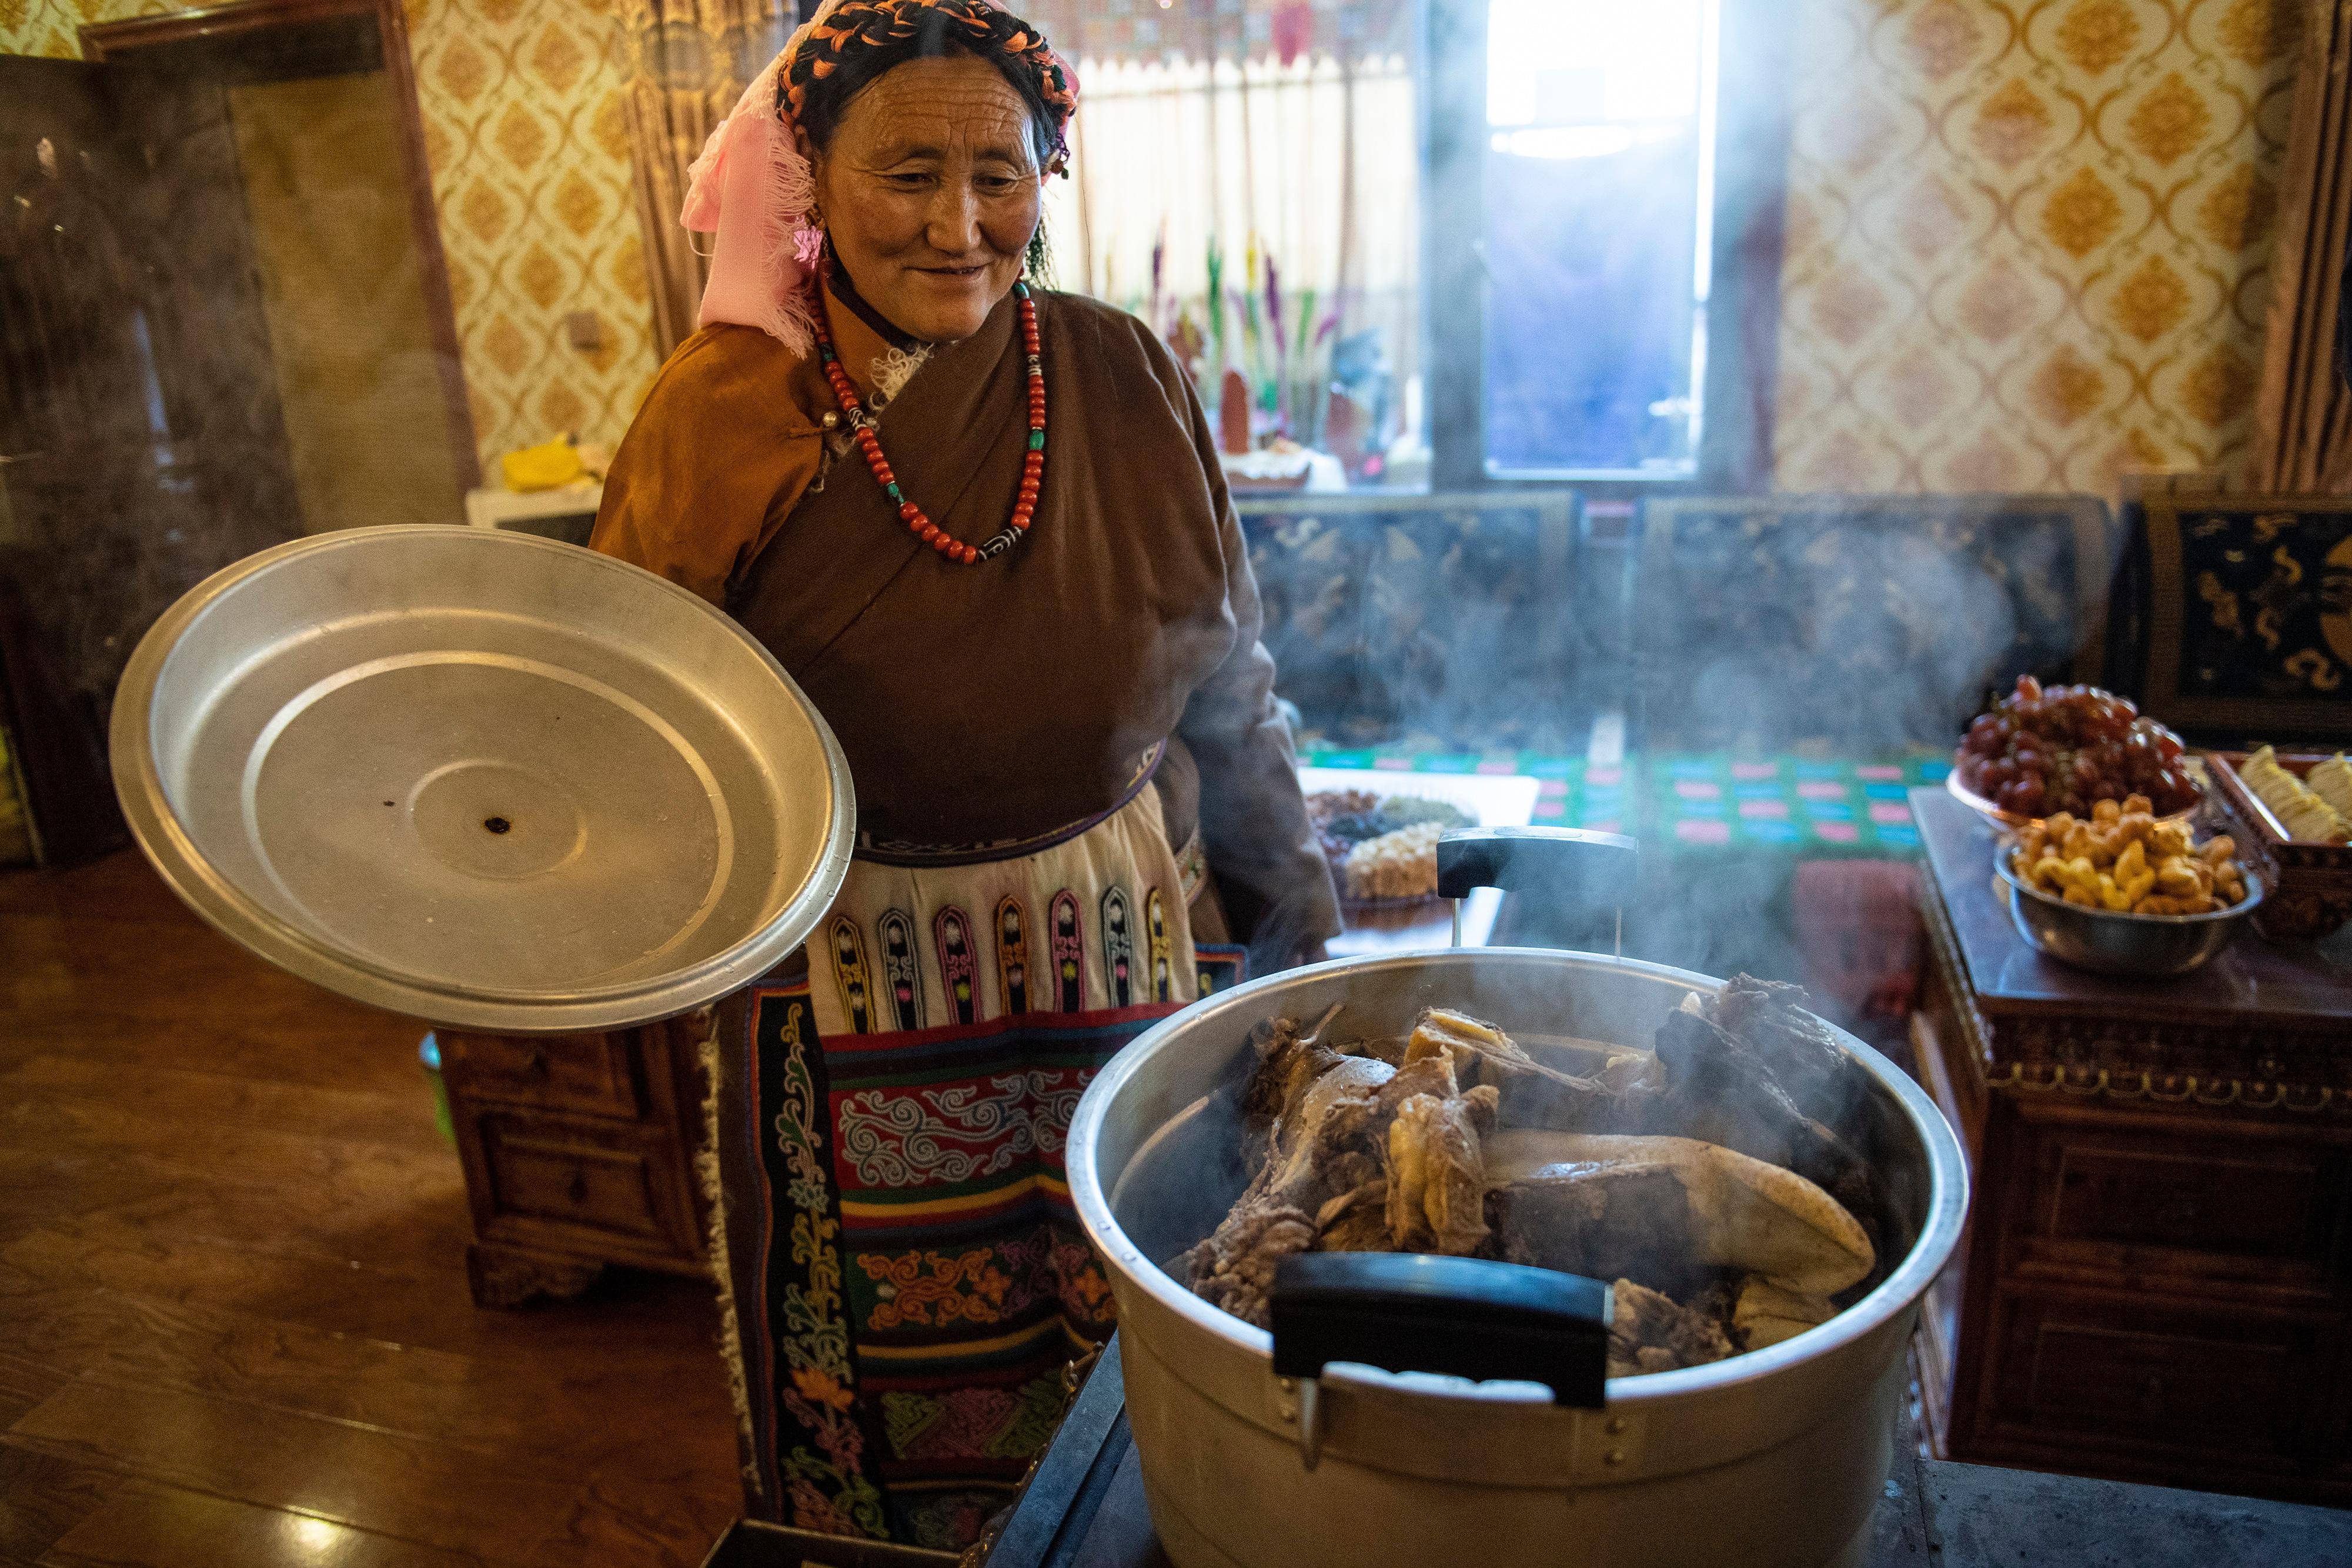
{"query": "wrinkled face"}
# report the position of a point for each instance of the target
(930, 192)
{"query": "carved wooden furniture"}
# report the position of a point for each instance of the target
(2158, 1282)
(2232, 616)
(578, 1152)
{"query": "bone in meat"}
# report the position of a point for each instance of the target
(1480, 1052)
(1286, 1062)
(1315, 1099)
(1436, 1180)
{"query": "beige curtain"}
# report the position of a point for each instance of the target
(2302, 419)
(686, 63)
(1280, 137)
(1312, 164)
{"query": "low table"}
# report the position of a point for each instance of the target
(2156, 1284)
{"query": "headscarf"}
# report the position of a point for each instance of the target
(751, 187)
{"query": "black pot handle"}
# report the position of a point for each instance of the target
(1566, 868)
(1412, 1312)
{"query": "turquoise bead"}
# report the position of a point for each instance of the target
(1036, 441)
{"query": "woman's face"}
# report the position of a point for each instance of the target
(930, 192)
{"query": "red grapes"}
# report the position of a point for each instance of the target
(2041, 752)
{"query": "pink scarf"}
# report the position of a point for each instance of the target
(751, 187)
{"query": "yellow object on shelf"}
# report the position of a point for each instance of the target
(542, 467)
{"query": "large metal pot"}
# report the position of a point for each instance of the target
(1775, 1457)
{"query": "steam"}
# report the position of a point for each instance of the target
(1184, 1177)
(1836, 628)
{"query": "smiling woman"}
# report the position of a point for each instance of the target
(1032, 625)
(929, 191)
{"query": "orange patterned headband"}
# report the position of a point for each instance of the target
(840, 31)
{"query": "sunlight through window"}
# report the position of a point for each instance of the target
(1600, 189)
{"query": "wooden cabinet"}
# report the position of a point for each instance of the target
(578, 1152)
(2157, 1280)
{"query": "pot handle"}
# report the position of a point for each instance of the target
(1412, 1312)
(1570, 867)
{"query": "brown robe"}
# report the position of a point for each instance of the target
(987, 702)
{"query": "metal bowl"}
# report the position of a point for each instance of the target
(1994, 814)
(2135, 946)
(480, 778)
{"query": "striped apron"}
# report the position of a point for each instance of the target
(917, 1279)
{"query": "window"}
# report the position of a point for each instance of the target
(1245, 178)
(1450, 244)
(1599, 199)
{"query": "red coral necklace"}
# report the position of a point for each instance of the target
(1033, 462)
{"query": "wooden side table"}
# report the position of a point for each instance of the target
(2156, 1284)
(577, 1151)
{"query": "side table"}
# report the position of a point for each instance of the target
(578, 1152)
(2156, 1284)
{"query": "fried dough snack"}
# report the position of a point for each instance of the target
(2303, 809)
(2123, 860)
(2332, 782)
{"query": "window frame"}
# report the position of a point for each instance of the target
(1743, 311)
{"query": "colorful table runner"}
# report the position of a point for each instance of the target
(1808, 806)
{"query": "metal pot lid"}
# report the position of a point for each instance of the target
(481, 777)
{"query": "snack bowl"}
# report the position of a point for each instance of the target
(2135, 946)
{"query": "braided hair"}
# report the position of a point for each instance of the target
(852, 45)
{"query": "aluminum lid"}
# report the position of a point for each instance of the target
(484, 779)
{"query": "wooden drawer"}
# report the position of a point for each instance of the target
(2151, 1375)
(595, 1074)
(578, 1183)
(2245, 1205)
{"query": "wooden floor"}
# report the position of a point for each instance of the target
(233, 1327)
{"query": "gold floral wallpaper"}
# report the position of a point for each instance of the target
(2028, 240)
(521, 106)
(521, 102)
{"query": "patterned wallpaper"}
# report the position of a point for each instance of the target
(520, 100)
(2028, 240)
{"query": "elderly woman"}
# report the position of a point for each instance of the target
(984, 527)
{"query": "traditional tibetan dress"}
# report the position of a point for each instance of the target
(1049, 750)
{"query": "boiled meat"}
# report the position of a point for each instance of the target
(1739, 1213)
(1766, 1314)
(1721, 1092)
(1649, 1331)
(1437, 1191)
(1234, 1267)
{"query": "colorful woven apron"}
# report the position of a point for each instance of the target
(923, 1278)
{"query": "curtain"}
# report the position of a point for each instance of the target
(2303, 416)
(1273, 145)
(687, 62)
